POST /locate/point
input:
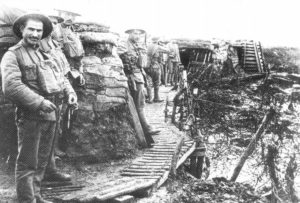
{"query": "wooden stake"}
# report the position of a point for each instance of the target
(136, 122)
(176, 156)
(267, 118)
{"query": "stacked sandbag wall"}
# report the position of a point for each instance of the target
(103, 129)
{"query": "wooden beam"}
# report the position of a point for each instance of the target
(266, 120)
(176, 156)
(136, 123)
(186, 155)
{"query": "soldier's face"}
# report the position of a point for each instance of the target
(135, 35)
(32, 32)
(54, 22)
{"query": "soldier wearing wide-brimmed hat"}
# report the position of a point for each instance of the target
(135, 60)
(56, 22)
(36, 94)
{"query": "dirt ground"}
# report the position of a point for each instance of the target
(82, 174)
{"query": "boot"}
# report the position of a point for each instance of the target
(149, 93)
(148, 130)
(156, 95)
(56, 176)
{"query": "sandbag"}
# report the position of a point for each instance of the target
(90, 60)
(8, 15)
(100, 77)
(90, 27)
(7, 38)
(6, 31)
(96, 37)
(101, 136)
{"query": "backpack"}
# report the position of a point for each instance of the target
(72, 45)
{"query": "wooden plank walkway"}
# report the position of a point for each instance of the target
(150, 170)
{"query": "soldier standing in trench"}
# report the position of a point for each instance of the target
(52, 47)
(36, 95)
(134, 58)
(173, 63)
(154, 67)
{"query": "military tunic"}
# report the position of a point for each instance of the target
(35, 128)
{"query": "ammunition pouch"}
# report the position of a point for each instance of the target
(50, 78)
(48, 75)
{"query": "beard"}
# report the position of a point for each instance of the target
(32, 41)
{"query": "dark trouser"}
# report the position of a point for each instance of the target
(156, 77)
(51, 167)
(155, 73)
(35, 140)
(173, 72)
(139, 101)
(149, 84)
(8, 133)
(163, 73)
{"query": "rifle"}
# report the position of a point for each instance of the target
(67, 124)
(69, 115)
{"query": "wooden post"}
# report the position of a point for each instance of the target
(176, 156)
(197, 158)
(176, 102)
(136, 122)
(267, 118)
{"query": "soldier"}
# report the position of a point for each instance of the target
(36, 84)
(134, 60)
(52, 47)
(173, 62)
(154, 68)
(72, 48)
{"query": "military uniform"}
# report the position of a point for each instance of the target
(136, 81)
(173, 61)
(35, 127)
(155, 67)
(53, 48)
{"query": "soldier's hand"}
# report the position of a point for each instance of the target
(47, 106)
(72, 101)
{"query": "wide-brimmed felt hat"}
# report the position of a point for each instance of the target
(58, 18)
(129, 31)
(47, 24)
